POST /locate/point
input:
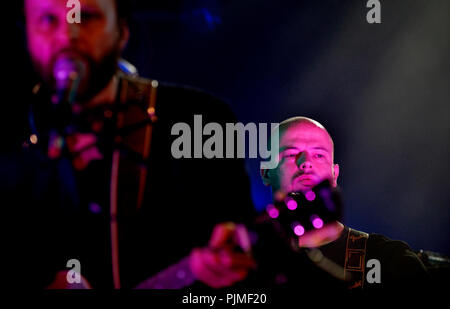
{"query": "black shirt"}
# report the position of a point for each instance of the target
(282, 267)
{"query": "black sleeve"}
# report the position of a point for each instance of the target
(401, 268)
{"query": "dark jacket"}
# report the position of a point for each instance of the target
(282, 267)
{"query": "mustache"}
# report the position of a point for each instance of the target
(71, 53)
(98, 73)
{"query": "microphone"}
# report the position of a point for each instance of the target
(68, 73)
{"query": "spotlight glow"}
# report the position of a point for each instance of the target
(34, 139)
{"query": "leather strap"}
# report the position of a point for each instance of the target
(137, 101)
(139, 96)
(355, 258)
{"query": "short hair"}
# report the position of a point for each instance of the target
(124, 9)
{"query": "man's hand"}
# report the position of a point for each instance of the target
(316, 238)
(60, 283)
(221, 264)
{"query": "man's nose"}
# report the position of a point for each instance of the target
(302, 161)
(68, 32)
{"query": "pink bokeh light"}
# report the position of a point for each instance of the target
(310, 196)
(317, 222)
(299, 230)
(272, 211)
(291, 204)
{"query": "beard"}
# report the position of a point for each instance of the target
(97, 76)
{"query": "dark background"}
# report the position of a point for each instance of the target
(382, 90)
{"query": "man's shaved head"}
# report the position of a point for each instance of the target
(302, 121)
(306, 156)
(299, 120)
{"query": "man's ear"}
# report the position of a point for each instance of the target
(124, 34)
(265, 176)
(335, 174)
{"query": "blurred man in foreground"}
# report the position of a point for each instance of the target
(94, 183)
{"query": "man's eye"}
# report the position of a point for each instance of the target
(88, 16)
(319, 156)
(290, 155)
(48, 19)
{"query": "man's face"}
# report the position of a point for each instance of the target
(305, 159)
(97, 40)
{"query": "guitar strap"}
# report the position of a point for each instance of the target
(355, 258)
(137, 105)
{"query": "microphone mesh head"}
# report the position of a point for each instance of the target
(68, 72)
